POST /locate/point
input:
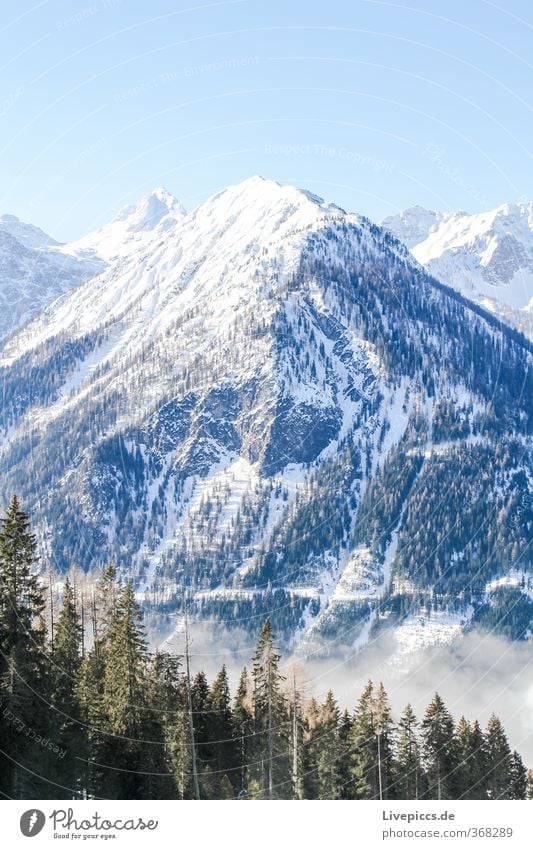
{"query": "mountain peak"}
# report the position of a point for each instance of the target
(259, 199)
(414, 224)
(132, 228)
(486, 256)
(149, 210)
(27, 234)
(241, 374)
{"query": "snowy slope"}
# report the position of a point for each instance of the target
(247, 400)
(27, 234)
(413, 226)
(36, 269)
(32, 277)
(133, 227)
(487, 257)
(217, 257)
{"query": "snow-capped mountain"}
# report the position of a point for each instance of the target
(27, 234)
(487, 257)
(36, 269)
(133, 227)
(413, 226)
(271, 403)
(33, 273)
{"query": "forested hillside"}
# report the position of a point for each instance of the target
(268, 402)
(88, 711)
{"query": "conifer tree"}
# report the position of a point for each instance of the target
(408, 776)
(529, 791)
(363, 747)
(439, 751)
(125, 699)
(157, 727)
(24, 679)
(297, 731)
(271, 748)
(344, 764)
(518, 782)
(327, 752)
(243, 725)
(168, 699)
(91, 701)
(126, 657)
(311, 750)
(67, 716)
(471, 773)
(104, 610)
(498, 760)
(201, 718)
(101, 617)
(224, 757)
(383, 731)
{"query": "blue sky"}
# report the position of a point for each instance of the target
(374, 105)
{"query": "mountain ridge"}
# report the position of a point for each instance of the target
(269, 404)
(37, 269)
(488, 257)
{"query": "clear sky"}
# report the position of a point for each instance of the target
(373, 104)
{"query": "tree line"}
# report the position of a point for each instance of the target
(88, 711)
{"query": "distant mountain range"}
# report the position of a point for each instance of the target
(35, 269)
(272, 403)
(487, 257)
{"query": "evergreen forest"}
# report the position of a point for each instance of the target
(88, 711)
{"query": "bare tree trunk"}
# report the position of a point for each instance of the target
(196, 787)
(295, 765)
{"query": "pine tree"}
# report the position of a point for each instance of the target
(168, 698)
(383, 731)
(243, 729)
(221, 736)
(471, 773)
(408, 776)
(125, 700)
(91, 700)
(67, 716)
(105, 605)
(271, 747)
(344, 763)
(327, 748)
(439, 750)
(498, 760)
(24, 679)
(201, 718)
(126, 657)
(529, 791)
(90, 691)
(519, 778)
(162, 682)
(363, 747)
(311, 750)
(297, 731)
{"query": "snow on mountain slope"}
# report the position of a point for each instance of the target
(228, 244)
(487, 257)
(133, 227)
(27, 234)
(259, 402)
(32, 277)
(414, 225)
(36, 269)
